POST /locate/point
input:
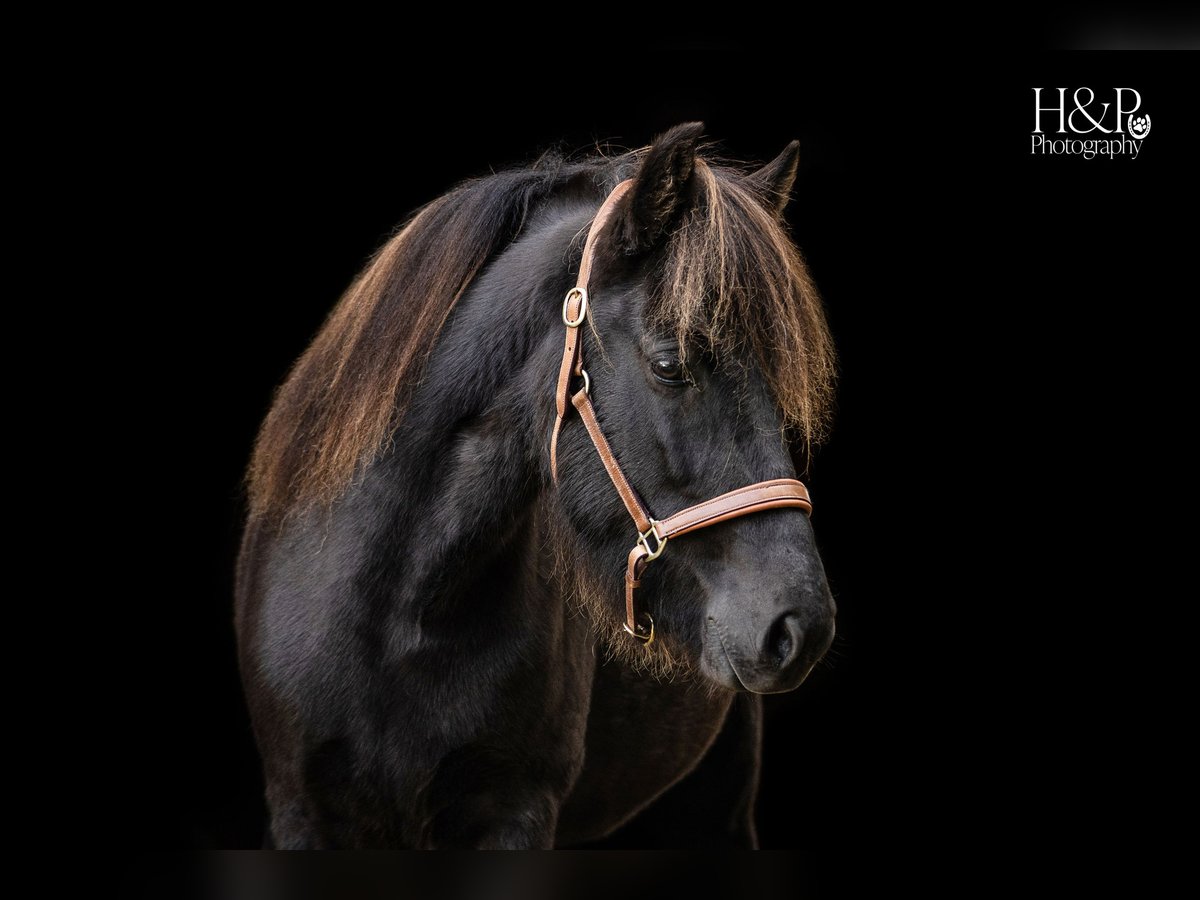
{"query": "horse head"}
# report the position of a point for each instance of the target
(709, 367)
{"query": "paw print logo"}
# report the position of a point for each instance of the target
(1139, 126)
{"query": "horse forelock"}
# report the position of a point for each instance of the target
(732, 280)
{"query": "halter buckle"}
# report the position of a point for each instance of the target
(641, 633)
(583, 305)
(659, 541)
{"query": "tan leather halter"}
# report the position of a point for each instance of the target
(776, 494)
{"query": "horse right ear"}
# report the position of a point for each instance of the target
(773, 182)
(662, 188)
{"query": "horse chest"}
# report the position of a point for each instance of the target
(642, 737)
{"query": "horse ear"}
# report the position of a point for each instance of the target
(773, 182)
(661, 188)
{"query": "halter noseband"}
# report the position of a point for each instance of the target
(653, 534)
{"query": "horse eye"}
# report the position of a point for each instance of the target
(668, 370)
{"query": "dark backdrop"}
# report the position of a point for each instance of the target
(1008, 358)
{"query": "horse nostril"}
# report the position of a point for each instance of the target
(783, 639)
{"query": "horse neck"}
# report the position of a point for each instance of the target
(462, 483)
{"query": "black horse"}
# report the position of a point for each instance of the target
(430, 624)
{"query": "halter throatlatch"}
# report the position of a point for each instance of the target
(653, 534)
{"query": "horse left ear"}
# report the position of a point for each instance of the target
(662, 187)
(773, 182)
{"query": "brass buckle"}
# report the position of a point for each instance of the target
(648, 638)
(583, 305)
(659, 540)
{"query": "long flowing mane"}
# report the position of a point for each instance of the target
(730, 277)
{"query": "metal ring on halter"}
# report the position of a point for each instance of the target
(661, 542)
(587, 382)
(649, 639)
(583, 304)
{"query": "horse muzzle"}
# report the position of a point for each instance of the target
(770, 651)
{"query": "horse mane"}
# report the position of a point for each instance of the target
(344, 395)
(730, 275)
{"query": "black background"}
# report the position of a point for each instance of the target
(1009, 407)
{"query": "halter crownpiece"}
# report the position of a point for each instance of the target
(780, 493)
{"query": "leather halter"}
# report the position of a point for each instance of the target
(777, 494)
